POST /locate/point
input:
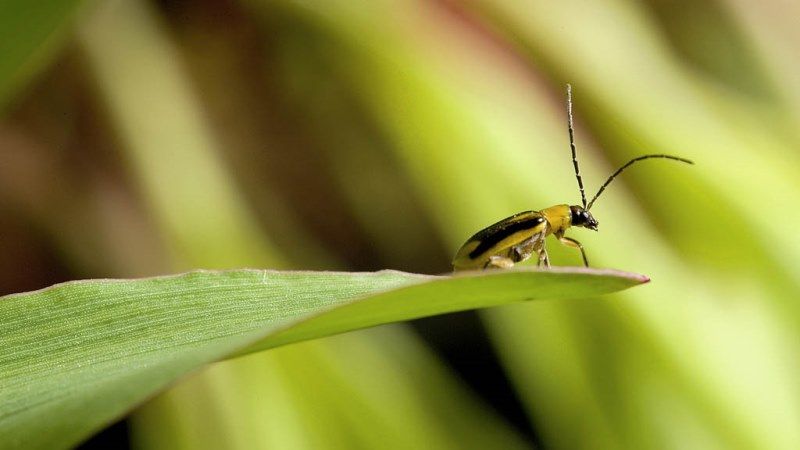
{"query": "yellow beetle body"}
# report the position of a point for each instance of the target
(516, 238)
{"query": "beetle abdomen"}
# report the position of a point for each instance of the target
(503, 231)
(496, 238)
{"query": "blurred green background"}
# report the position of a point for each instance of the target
(149, 137)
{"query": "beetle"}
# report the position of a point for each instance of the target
(518, 237)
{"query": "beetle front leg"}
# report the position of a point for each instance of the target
(575, 244)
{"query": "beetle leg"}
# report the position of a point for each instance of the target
(499, 262)
(541, 251)
(575, 244)
(533, 245)
(543, 258)
(523, 251)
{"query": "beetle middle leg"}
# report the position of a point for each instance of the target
(537, 246)
(543, 258)
(515, 254)
(524, 250)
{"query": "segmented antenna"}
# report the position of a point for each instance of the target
(572, 144)
(626, 165)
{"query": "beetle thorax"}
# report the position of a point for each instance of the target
(558, 217)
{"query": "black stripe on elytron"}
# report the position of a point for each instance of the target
(497, 233)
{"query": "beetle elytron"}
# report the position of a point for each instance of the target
(516, 238)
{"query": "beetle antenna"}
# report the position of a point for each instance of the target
(626, 165)
(572, 144)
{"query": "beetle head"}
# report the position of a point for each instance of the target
(582, 218)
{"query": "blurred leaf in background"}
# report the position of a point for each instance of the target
(143, 137)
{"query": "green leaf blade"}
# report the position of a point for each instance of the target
(471, 290)
(78, 355)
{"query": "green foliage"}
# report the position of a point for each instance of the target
(79, 354)
(368, 134)
(29, 35)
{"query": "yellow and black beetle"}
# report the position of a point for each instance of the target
(516, 238)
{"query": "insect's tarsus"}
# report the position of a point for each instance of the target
(572, 144)
(625, 166)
